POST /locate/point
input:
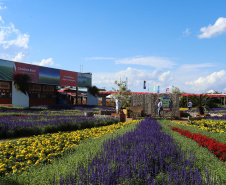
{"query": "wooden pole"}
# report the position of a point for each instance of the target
(76, 95)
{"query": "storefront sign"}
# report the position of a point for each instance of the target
(4, 85)
(49, 88)
(31, 70)
(34, 87)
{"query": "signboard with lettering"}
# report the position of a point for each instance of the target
(31, 70)
(49, 88)
(68, 78)
(34, 87)
(166, 103)
(4, 85)
(43, 75)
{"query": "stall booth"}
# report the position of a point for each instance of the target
(42, 88)
(68, 96)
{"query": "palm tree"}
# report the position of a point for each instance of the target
(201, 102)
(93, 90)
(21, 82)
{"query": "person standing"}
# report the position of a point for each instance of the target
(189, 104)
(160, 108)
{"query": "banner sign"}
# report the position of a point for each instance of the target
(144, 84)
(84, 80)
(31, 70)
(49, 76)
(44, 75)
(68, 78)
(6, 70)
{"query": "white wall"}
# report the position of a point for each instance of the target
(19, 99)
(91, 100)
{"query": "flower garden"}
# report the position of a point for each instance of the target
(59, 145)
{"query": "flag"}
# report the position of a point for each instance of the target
(158, 89)
(144, 84)
(126, 82)
(154, 89)
(167, 90)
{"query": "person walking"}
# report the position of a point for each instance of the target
(160, 108)
(189, 104)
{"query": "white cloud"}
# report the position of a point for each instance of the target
(100, 58)
(1, 20)
(152, 61)
(20, 40)
(196, 66)
(216, 81)
(186, 32)
(214, 30)
(13, 43)
(165, 77)
(135, 77)
(19, 57)
(46, 62)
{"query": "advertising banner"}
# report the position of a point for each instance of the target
(84, 80)
(6, 70)
(68, 78)
(31, 70)
(49, 76)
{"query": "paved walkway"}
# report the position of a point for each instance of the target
(182, 120)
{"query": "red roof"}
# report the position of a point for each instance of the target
(209, 95)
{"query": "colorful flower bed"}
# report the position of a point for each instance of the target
(18, 155)
(143, 156)
(218, 149)
(208, 124)
(20, 123)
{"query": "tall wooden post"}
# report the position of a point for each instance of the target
(76, 95)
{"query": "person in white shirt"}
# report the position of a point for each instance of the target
(189, 105)
(159, 107)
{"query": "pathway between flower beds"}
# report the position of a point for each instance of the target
(143, 156)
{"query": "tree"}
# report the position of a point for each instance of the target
(21, 82)
(176, 90)
(201, 102)
(123, 94)
(93, 90)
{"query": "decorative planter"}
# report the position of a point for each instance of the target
(180, 113)
(122, 117)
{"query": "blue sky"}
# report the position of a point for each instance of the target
(166, 43)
